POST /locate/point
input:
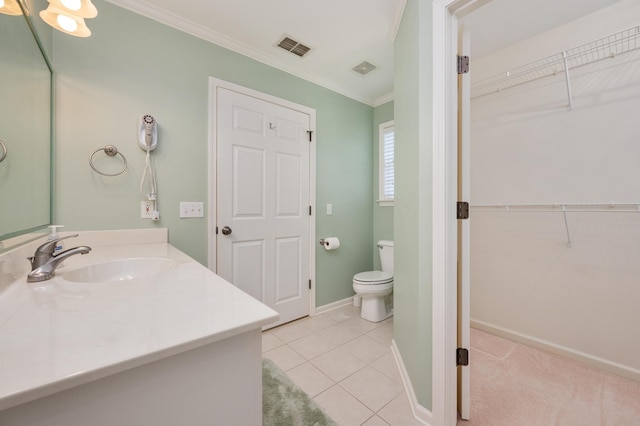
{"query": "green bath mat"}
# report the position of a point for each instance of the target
(285, 404)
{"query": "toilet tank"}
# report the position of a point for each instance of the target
(385, 249)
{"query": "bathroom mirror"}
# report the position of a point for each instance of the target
(25, 129)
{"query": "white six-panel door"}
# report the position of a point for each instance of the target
(263, 204)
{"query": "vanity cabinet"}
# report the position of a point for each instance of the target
(216, 384)
(180, 346)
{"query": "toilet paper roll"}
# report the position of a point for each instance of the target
(331, 243)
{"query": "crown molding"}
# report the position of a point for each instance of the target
(397, 19)
(196, 30)
(383, 99)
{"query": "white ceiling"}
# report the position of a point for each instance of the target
(343, 33)
(504, 22)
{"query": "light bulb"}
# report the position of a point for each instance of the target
(71, 4)
(10, 7)
(67, 23)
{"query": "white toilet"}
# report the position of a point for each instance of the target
(373, 287)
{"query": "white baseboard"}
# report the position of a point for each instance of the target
(591, 360)
(334, 305)
(420, 413)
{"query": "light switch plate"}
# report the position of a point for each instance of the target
(191, 209)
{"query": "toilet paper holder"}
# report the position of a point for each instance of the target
(330, 243)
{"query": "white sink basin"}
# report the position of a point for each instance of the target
(120, 270)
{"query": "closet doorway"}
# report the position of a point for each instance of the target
(553, 192)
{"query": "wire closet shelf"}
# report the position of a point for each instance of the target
(566, 207)
(561, 208)
(604, 48)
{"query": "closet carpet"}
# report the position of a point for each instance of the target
(513, 384)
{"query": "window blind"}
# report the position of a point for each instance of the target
(387, 172)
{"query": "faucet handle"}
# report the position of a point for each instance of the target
(49, 246)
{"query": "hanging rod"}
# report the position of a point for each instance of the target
(561, 208)
(567, 207)
(604, 48)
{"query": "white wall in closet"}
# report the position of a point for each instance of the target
(527, 148)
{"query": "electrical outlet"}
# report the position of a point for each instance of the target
(190, 209)
(146, 209)
(329, 209)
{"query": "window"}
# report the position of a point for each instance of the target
(386, 156)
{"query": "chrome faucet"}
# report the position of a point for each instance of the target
(44, 262)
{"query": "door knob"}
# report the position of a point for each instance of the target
(226, 230)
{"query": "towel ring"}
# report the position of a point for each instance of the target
(110, 150)
(4, 151)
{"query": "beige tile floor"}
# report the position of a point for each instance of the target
(345, 364)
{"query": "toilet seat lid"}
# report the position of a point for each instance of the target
(369, 277)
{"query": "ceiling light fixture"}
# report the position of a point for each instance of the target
(10, 7)
(81, 8)
(68, 16)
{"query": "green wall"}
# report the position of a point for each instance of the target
(412, 210)
(132, 66)
(382, 215)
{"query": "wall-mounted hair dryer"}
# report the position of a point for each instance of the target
(148, 133)
(148, 140)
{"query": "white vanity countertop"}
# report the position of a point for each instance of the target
(58, 334)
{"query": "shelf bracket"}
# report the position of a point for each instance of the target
(566, 74)
(566, 225)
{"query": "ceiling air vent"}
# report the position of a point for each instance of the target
(364, 67)
(294, 47)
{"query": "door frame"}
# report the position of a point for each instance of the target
(445, 187)
(214, 84)
(464, 226)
